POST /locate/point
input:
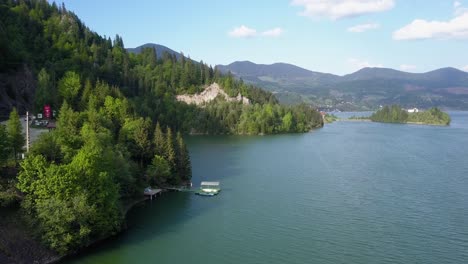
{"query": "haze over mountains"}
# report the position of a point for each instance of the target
(365, 89)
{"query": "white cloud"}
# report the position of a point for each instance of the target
(243, 32)
(363, 27)
(246, 32)
(407, 67)
(275, 32)
(465, 68)
(459, 9)
(336, 9)
(457, 28)
(358, 64)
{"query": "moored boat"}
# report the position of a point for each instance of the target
(208, 189)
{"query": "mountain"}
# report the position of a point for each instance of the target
(278, 69)
(160, 50)
(364, 89)
(277, 76)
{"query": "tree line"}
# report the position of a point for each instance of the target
(119, 125)
(77, 176)
(396, 114)
(54, 42)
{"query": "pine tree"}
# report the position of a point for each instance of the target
(143, 140)
(69, 88)
(159, 141)
(183, 159)
(15, 133)
(86, 93)
(4, 145)
(42, 96)
(170, 154)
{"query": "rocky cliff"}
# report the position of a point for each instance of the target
(209, 94)
(17, 89)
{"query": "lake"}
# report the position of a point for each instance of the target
(352, 192)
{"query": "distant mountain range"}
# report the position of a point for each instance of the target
(365, 89)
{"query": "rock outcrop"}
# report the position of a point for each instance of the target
(17, 88)
(209, 94)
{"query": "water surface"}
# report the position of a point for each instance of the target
(352, 192)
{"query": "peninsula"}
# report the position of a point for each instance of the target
(396, 114)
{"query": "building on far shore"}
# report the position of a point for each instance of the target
(412, 110)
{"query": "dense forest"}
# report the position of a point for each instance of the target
(119, 126)
(77, 177)
(53, 41)
(396, 114)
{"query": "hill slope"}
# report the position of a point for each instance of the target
(364, 89)
(160, 50)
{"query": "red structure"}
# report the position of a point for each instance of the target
(47, 111)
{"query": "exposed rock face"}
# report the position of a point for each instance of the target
(17, 89)
(209, 94)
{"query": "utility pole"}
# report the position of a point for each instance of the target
(27, 132)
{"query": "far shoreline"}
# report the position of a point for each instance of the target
(405, 123)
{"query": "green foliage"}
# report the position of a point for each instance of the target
(395, 114)
(16, 138)
(45, 93)
(287, 122)
(159, 171)
(150, 83)
(4, 146)
(69, 87)
(184, 167)
(220, 117)
(390, 114)
(66, 224)
(73, 202)
(159, 141)
(330, 118)
(68, 130)
(432, 116)
(8, 198)
(75, 177)
(169, 150)
(48, 146)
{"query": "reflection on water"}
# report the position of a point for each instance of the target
(352, 192)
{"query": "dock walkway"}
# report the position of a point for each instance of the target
(152, 192)
(180, 189)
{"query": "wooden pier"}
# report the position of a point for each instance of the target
(179, 189)
(152, 192)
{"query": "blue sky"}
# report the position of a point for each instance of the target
(335, 36)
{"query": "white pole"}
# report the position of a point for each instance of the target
(27, 131)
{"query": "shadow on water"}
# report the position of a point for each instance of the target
(168, 212)
(150, 219)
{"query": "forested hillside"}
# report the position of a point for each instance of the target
(50, 41)
(365, 89)
(119, 127)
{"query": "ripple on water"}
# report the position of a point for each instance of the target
(348, 193)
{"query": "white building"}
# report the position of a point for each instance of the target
(413, 110)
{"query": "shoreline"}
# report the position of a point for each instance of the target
(125, 209)
(14, 234)
(405, 123)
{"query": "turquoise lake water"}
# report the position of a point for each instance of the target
(352, 192)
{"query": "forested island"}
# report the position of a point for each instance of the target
(396, 114)
(119, 127)
(330, 118)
